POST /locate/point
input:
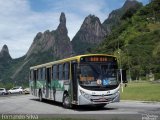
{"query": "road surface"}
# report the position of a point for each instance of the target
(125, 110)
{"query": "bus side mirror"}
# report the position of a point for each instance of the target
(124, 77)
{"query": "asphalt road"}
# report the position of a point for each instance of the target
(124, 110)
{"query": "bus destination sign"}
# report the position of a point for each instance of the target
(97, 59)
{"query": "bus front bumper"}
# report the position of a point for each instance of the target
(90, 100)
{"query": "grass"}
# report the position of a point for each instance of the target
(142, 91)
(154, 26)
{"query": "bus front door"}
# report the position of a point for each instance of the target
(48, 82)
(74, 84)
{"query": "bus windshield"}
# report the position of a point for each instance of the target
(98, 74)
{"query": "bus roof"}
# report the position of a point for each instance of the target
(66, 60)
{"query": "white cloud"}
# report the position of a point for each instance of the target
(76, 11)
(19, 23)
(83, 7)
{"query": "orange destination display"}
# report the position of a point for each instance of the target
(97, 58)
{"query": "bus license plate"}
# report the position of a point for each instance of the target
(102, 99)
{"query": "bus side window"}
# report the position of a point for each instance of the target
(44, 72)
(31, 75)
(63, 71)
(38, 73)
(54, 72)
(66, 71)
(60, 71)
(57, 72)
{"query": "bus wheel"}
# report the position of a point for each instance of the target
(40, 96)
(66, 101)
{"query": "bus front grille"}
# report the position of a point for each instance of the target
(101, 95)
(102, 100)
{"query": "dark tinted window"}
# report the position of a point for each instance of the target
(54, 69)
(39, 74)
(61, 72)
(57, 72)
(43, 73)
(32, 75)
(66, 71)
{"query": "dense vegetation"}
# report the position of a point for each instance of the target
(136, 41)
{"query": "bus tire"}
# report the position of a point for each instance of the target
(66, 101)
(40, 96)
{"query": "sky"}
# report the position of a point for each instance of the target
(21, 20)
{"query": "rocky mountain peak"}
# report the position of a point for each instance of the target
(131, 4)
(115, 16)
(93, 23)
(5, 49)
(62, 18)
(91, 18)
(90, 34)
(5, 52)
(55, 42)
(62, 26)
(90, 22)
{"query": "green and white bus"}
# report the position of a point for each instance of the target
(91, 79)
